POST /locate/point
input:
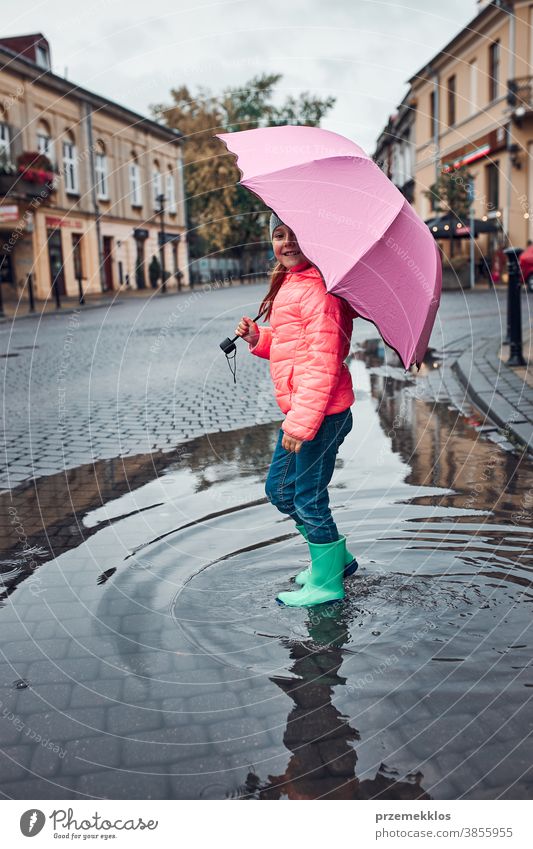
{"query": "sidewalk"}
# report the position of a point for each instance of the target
(502, 392)
(18, 311)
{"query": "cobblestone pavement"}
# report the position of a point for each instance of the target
(147, 375)
(503, 393)
(144, 656)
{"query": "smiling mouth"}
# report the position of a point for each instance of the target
(291, 253)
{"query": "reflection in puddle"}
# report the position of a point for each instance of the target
(141, 613)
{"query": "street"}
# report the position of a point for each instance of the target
(143, 653)
(145, 376)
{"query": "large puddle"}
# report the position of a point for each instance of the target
(144, 655)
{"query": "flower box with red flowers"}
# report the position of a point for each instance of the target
(36, 167)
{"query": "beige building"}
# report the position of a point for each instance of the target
(472, 104)
(465, 114)
(89, 207)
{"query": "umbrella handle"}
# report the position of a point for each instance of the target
(227, 345)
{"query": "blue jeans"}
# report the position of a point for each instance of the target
(297, 484)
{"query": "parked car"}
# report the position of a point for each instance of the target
(526, 264)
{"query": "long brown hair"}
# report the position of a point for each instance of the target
(277, 275)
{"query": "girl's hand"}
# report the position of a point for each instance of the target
(248, 330)
(290, 443)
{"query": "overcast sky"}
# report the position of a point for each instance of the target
(362, 52)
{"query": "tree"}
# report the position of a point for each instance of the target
(221, 214)
(450, 194)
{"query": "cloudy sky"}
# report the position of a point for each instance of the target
(362, 52)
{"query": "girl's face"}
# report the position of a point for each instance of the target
(286, 248)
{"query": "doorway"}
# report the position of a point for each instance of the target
(139, 264)
(6, 267)
(108, 263)
(55, 258)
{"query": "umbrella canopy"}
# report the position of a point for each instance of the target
(352, 223)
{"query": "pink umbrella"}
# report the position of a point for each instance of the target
(352, 223)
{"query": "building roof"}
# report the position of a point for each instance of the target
(485, 12)
(22, 65)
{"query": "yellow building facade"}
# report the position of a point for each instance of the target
(104, 196)
(474, 106)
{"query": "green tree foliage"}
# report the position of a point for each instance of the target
(221, 214)
(449, 193)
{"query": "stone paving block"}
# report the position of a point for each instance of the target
(199, 786)
(106, 693)
(94, 646)
(130, 720)
(237, 728)
(46, 630)
(166, 746)
(500, 409)
(524, 431)
(60, 726)
(46, 763)
(43, 671)
(106, 784)
(12, 726)
(14, 762)
(214, 702)
(269, 760)
(84, 626)
(39, 788)
(54, 649)
(89, 754)
(44, 697)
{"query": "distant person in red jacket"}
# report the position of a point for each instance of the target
(306, 343)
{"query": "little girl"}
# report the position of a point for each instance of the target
(306, 343)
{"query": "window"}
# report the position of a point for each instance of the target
(157, 185)
(135, 184)
(473, 87)
(70, 167)
(171, 193)
(451, 101)
(493, 194)
(494, 70)
(44, 141)
(100, 173)
(42, 57)
(4, 141)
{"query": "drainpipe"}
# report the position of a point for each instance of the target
(508, 165)
(436, 134)
(182, 200)
(87, 110)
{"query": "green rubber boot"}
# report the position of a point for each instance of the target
(326, 581)
(350, 563)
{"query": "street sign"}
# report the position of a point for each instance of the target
(9, 213)
(168, 238)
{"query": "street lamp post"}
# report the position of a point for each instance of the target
(161, 212)
(471, 196)
(514, 307)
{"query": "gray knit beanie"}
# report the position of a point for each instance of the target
(274, 222)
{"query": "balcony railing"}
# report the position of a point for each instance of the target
(520, 95)
(31, 175)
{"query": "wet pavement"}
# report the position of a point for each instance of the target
(148, 374)
(144, 656)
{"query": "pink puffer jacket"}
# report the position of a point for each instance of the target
(307, 343)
